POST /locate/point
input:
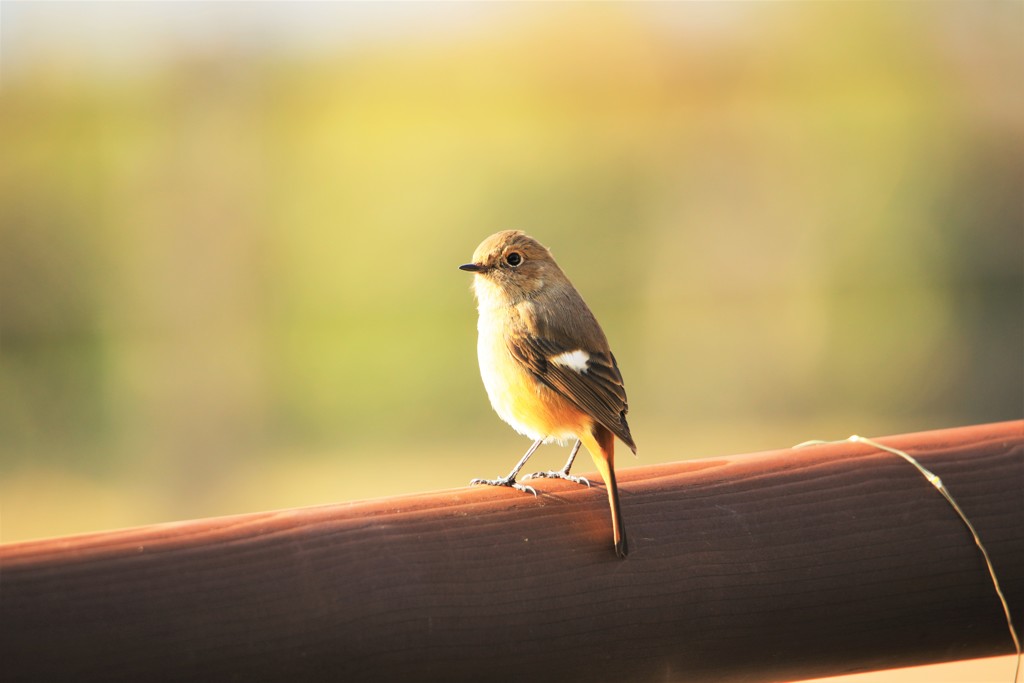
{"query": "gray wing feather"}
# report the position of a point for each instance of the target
(598, 391)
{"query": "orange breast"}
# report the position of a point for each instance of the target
(529, 406)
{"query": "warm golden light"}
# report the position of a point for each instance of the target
(229, 235)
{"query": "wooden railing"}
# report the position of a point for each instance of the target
(773, 566)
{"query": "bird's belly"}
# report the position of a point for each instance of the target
(525, 403)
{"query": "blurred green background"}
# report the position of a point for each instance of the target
(229, 235)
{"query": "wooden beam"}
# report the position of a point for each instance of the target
(773, 566)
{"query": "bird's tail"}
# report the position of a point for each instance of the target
(601, 444)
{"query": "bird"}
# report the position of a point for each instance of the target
(546, 364)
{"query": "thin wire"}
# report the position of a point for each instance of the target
(935, 481)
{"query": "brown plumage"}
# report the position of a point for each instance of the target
(545, 361)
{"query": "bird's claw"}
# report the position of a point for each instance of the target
(552, 474)
(511, 483)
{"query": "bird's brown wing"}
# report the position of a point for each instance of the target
(597, 390)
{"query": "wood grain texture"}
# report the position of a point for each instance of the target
(773, 566)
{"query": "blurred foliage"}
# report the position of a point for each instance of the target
(228, 274)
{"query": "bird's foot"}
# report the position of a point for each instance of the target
(504, 481)
(560, 474)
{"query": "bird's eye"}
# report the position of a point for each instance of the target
(514, 259)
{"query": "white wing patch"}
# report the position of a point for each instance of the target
(575, 360)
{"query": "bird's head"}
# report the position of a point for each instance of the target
(511, 267)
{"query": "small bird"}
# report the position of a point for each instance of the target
(545, 362)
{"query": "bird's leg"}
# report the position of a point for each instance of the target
(510, 480)
(564, 472)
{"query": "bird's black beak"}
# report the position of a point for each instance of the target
(473, 267)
